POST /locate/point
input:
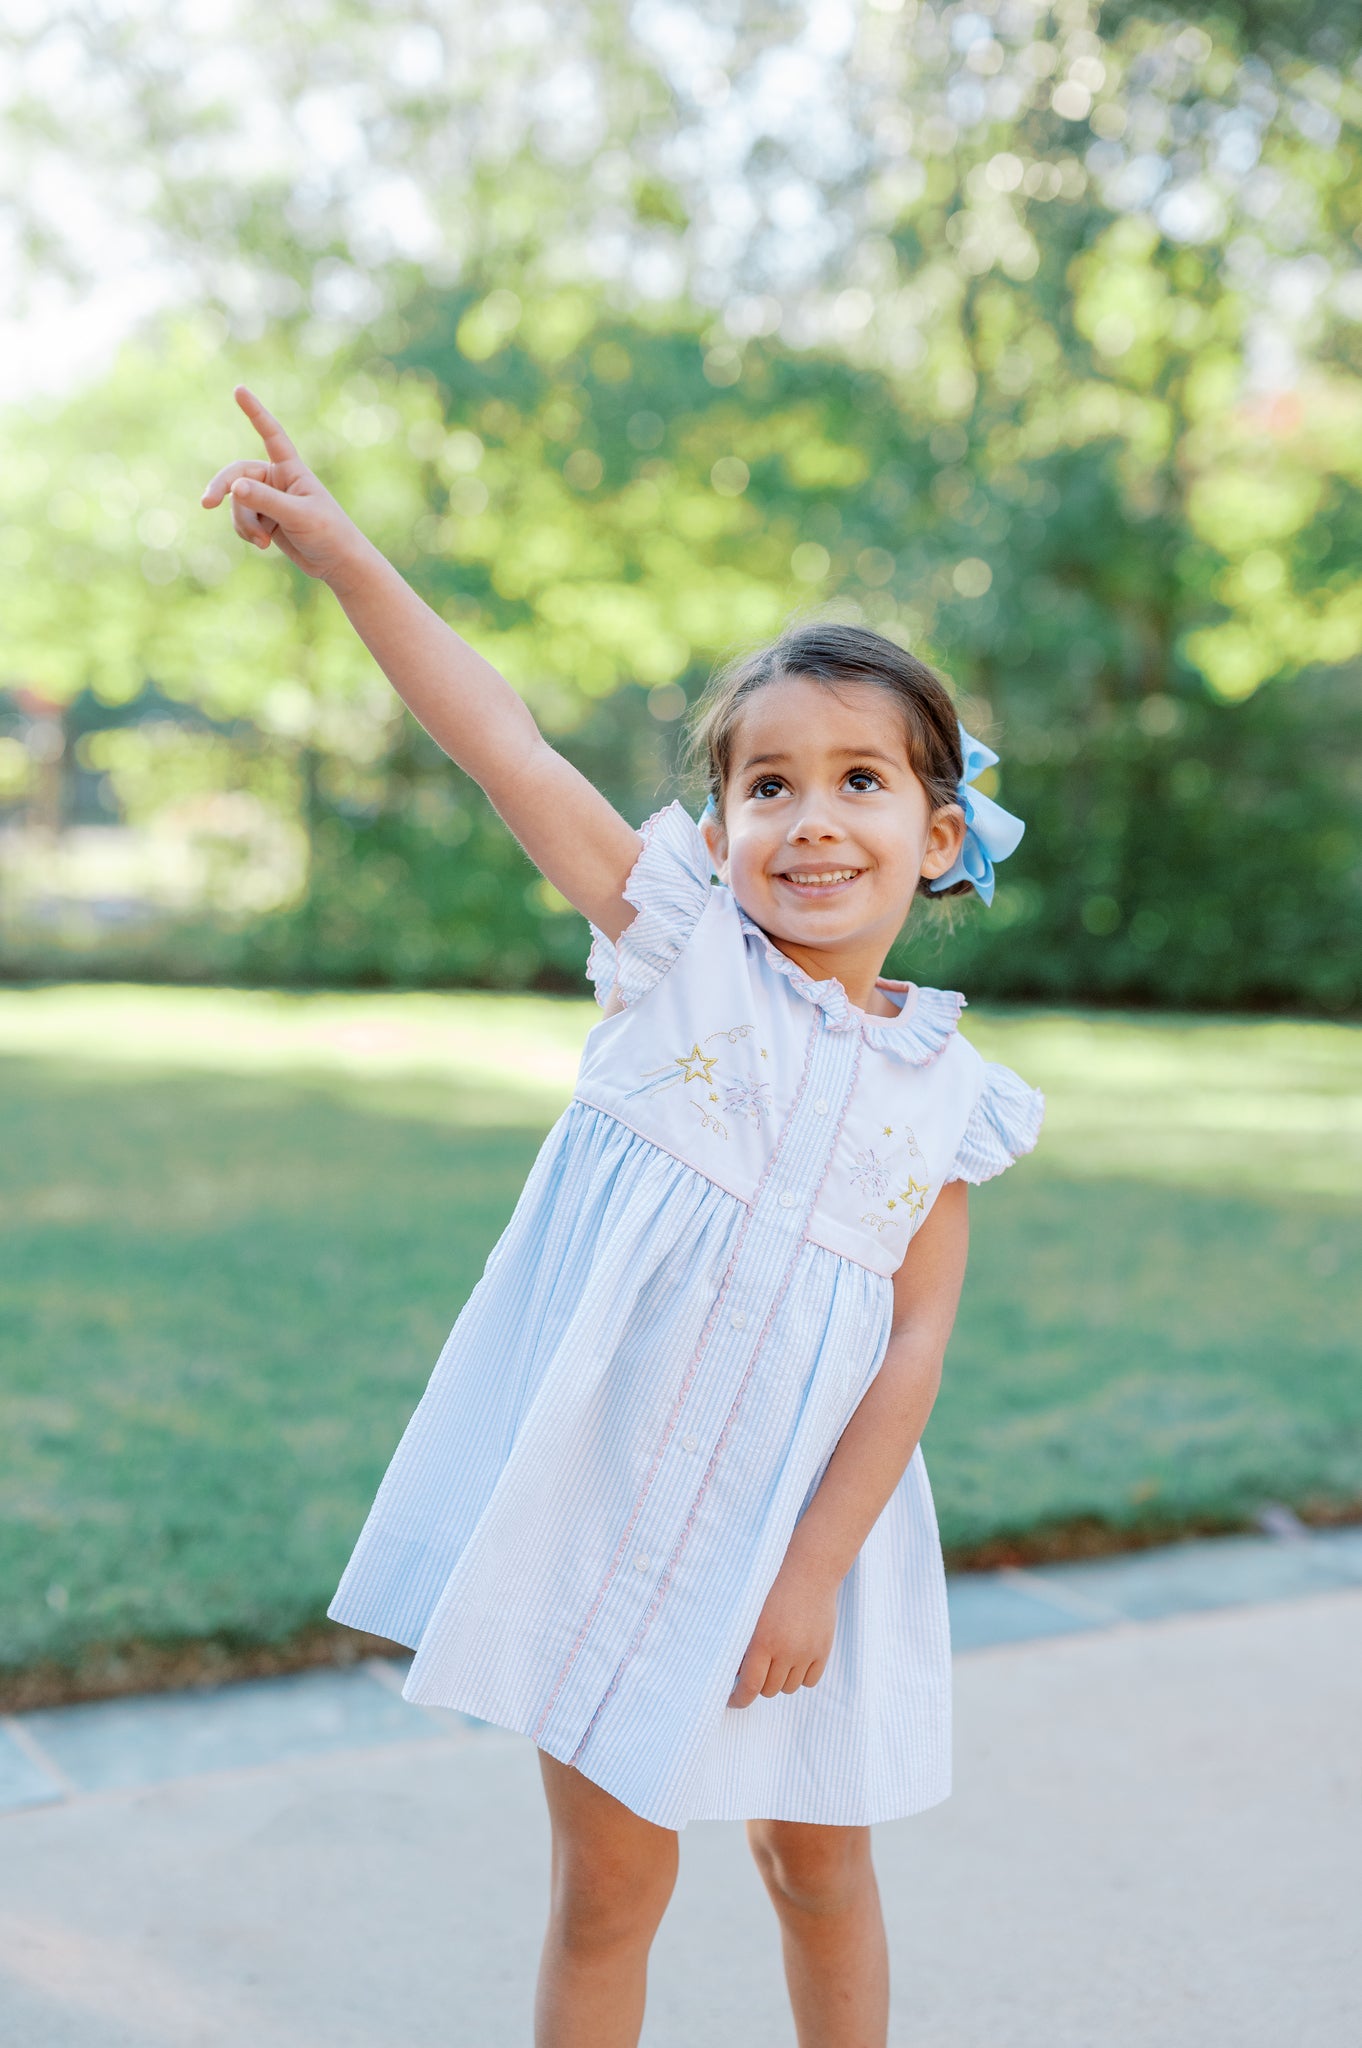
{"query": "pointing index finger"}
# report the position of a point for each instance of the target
(278, 446)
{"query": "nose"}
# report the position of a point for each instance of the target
(816, 821)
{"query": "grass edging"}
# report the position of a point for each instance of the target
(105, 1671)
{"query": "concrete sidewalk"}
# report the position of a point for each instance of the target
(1155, 1838)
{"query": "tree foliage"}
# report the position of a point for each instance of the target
(1027, 335)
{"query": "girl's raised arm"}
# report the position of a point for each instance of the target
(571, 833)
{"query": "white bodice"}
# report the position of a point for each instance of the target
(775, 1086)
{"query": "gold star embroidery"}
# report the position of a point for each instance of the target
(697, 1066)
(763, 1052)
(713, 1098)
(915, 1194)
(889, 1130)
(891, 1203)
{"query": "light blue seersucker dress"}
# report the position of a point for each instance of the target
(589, 1505)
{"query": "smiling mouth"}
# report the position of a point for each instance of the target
(819, 881)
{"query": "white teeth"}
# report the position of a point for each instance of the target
(820, 881)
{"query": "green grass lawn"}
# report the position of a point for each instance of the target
(237, 1227)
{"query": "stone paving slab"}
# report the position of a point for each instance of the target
(26, 1778)
(147, 1741)
(1002, 1607)
(1187, 1578)
(1154, 1841)
(63, 1752)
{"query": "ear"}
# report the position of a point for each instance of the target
(716, 839)
(945, 837)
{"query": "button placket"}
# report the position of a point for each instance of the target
(799, 1171)
(795, 1177)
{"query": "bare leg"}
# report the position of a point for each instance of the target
(822, 1884)
(613, 1874)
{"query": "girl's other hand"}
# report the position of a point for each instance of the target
(792, 1641)
(282, 501)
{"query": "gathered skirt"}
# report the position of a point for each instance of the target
(592, 1499)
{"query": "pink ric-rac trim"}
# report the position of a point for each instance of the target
(687, 1379)
(682, 1540)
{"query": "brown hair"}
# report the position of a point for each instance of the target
(832, 654)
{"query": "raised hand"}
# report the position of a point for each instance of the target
(281, 501)
(572, 833)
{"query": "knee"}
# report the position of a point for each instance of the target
(602, 1903)
(811, 1869)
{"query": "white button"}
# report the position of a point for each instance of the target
(641, 1562)
(820, 1107)
(788, 1199)
(738, 1319)
(690, 1443)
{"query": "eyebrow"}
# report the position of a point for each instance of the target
(861, 753)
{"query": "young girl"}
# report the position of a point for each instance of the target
(662, 1507)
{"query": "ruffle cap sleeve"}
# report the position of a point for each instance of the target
(669, 886)
(1004, 1124)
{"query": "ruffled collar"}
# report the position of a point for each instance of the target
(917, 1036)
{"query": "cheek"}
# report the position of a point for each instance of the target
(745, 861)
(897, 850)
(748, 846)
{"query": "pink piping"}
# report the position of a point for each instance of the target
(684, 1389)
(684, 1537)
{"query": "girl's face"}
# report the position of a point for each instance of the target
(826, 828)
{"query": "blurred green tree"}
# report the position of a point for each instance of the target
(1057, 382)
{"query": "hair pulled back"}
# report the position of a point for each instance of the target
(833, 654)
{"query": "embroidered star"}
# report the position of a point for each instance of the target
(696, 1065)
(713, 1097)
(915, 1194)
(889, 1130)
(763, 1052)
(891, 1203)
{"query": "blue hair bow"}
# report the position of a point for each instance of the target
(991, 833)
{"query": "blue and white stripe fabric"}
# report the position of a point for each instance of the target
(586, 1512)
(1004, 1122)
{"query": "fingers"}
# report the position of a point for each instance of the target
(249, 525)
(252, 466)
(265, 501)
(278, 446)
(761, 1677)
(250, 528)
(751, 1676)
(253, 521)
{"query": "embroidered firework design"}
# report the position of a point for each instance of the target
(871, 1175)
(747, 1098)
(875, 1175)
(741, 1095)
